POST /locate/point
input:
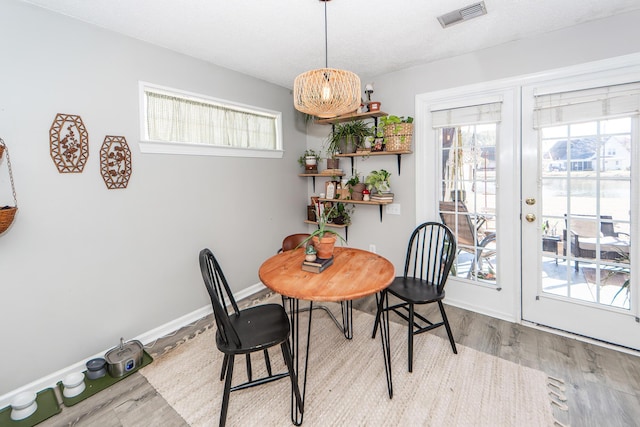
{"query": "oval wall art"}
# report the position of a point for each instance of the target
(115, 162)
(69, 143)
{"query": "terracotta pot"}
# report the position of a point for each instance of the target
(333, 163)
(324, 246)
(356, 193)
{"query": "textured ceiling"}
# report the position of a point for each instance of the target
(277, 40)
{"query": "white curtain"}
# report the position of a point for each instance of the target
(176, 119)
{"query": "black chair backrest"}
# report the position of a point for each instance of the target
(430, 254)
(220, 294)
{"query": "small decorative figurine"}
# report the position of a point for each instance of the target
(310, 253)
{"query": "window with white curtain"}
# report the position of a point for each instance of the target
(178, 122)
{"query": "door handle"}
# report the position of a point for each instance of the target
(530, 201)
(530, 217)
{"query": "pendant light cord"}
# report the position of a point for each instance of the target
(326, 43)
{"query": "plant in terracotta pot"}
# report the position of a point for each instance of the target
(347, 137)
(379, 180)
(355, 187)
(323, 239)
(332, 161)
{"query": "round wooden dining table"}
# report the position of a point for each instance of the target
(354, 274)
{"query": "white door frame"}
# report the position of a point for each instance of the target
(609, 324)
(486, 299)
(507, 305)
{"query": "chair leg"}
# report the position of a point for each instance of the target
(267, 361)
(224, 366)
(379, 309)
(410, 337)
(249, 372)
(227, 391)
(288, 360)
(448, 328)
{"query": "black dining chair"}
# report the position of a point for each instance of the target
(430, 255)
(246, 331)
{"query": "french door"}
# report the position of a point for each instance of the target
(579, 210)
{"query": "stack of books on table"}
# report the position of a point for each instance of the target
(382, 197)
(318, 265)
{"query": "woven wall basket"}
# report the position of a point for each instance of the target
(7, 213)
(397, 137)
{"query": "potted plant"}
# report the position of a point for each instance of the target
(332, 161)
(309, 160)
(397, 132)
(355, 187)
(347, 137)
(341, 215)
(379, 180)
(323, 239)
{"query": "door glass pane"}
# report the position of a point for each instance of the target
(468, 198)
(586, 208)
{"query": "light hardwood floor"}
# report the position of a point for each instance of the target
(602, 385)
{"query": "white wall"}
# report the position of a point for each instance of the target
(82, 265)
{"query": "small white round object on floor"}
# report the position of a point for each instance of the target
(73, 384)
(23, 405)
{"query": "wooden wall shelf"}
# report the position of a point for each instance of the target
(379, 203)
(376, 153)
(350, 117)
(322, 175)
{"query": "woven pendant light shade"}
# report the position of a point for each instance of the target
(327, 92)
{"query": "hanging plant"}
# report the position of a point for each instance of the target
(7, 213)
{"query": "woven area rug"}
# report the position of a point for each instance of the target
(346, 383)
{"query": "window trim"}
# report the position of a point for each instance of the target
(185, 148)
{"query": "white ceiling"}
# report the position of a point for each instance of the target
(277, 40)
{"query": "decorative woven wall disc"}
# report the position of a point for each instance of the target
(115, 162)
(69, 143)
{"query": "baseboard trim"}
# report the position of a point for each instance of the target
(145, 338)
(482, 310)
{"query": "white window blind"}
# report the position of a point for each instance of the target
(555, 109)
(467, 115)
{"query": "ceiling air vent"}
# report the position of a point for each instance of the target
(463, 14)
